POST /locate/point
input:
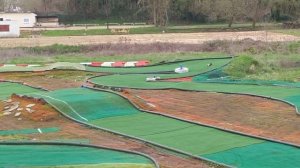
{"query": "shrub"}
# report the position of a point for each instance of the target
(242, 66)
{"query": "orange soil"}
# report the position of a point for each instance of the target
(41, 111)
(251, 115)
(187, 79)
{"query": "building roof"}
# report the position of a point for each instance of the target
(15, 13)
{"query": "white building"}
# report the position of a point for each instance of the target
(9, 29)
(23, 19)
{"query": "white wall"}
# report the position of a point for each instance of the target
(23, 19)
(14, 29)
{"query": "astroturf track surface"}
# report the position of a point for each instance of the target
(290, 94)
(132, 78)
(219, 76)
(21, 156)
(92, 107)
(64, 156)
(7, 89)
(28, 131)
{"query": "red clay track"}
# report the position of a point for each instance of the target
(251, 115)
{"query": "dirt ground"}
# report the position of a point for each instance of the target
(188, 38)
(71, 130)
(251, 115)
(50, 80)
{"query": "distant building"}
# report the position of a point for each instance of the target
(47, 21)
(23, 19)
(9, 29)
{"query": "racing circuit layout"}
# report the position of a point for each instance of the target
(97, 105)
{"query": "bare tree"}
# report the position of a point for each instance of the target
(47, 4)
(2, 5)
(256, 10)
(107, 7)
(9, 5)
(158, 9)
(230, 10)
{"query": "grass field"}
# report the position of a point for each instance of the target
(169, 29)
(294, 32)
(267, 66)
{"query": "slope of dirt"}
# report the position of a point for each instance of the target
(71, 130)
(188, 38)
(251, 115)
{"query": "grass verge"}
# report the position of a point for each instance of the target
(266, 66)
(157, 30)
(294, 32)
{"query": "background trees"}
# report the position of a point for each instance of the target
(160, 12)
(285, 9)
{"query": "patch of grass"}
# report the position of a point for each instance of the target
(294, 32)
(242, 66)
(294, 47)
(273, 61)
(266, 66)
(291, 75)
(146, 30)
(157, 30)
(153, 58)
(277, 66)
(53, 33)
(56, 48)
(29, 60)
(223, 25)
(220, 27)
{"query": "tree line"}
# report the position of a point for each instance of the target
(161, 12)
